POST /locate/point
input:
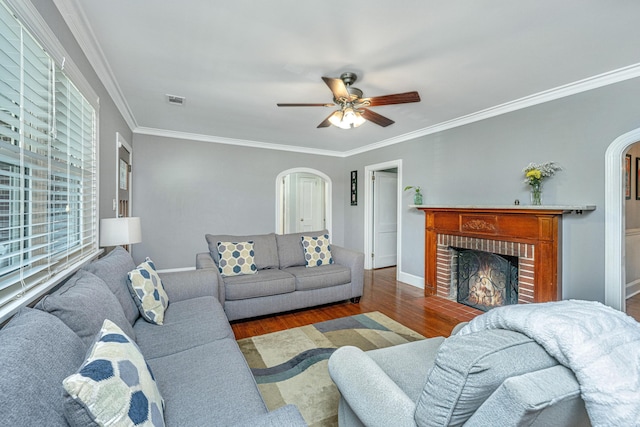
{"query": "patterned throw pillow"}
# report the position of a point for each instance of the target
(148, 292)
(114, 385)
(317, 250)
(236, 258)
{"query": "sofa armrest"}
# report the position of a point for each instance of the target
(183, 285)
(204, 261)
(541, 398)
(355, 261)
(371, 394)
(285, 416)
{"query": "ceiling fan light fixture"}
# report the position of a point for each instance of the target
(347, 118)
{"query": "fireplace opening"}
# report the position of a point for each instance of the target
(485, 280)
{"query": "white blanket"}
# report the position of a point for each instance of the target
(599, 344)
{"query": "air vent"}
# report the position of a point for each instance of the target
(175, 100)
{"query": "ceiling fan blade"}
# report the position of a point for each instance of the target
(376, 118)
(398, 98)
(338, 88)
(326, 123)
(305, 105)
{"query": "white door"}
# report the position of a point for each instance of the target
(385, 219)
(310, 206)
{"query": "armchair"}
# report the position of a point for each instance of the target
(492, 377)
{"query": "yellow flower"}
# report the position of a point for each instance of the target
(534, 174)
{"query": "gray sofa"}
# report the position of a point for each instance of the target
(283, 283)
(489, 378)
(198, 367)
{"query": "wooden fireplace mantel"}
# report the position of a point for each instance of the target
(540, 226)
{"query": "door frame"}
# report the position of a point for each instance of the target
(368, 212)
(121, 142)
(614, 221)
(280, 197)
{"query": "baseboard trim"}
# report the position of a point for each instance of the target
(176, 270)
(632, 289)
(410, 279)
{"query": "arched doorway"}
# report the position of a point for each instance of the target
(303, 200)
(614, 250)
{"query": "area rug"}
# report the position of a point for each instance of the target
(290, 366)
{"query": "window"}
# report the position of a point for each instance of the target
(48, 176)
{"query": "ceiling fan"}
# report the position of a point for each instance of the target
(352, 107)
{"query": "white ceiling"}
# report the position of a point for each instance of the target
(234, 60)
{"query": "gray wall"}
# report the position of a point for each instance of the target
(481, 163)
(184, 189)
(110, 120)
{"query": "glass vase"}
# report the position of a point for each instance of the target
(417, 199)
(536, 193)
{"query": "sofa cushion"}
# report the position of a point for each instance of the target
(548, 397)
(83, 303)
(148, 293)
(114, 386)
(113, 269)
(215, 388)
(317, 250)
(236, 258)
(264, 246)
(320, 277)
(187, 324)
(469, 368)
(265, 283)
(290, 252)
(38, 352)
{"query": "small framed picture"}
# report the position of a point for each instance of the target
(627, 177)
(637, 177)
(354, 188)
(124, 175)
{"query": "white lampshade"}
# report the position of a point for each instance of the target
(120, 231)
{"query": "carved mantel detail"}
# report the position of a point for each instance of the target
(487, 224)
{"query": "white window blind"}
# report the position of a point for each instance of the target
(48, 176)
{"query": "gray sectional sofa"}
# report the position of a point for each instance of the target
(282, 282)
(198, 367)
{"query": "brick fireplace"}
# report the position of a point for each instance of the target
(448, 245)
(532, 234)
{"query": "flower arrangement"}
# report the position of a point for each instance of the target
(534, 174)
(417, 197)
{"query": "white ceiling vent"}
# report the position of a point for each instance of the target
(175, 100)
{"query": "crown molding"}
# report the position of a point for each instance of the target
(77, 22)
(590, 83)
(232, 141)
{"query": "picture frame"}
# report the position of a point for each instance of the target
(123, 175)
(637, 178)
(627, 177)
(354, 188)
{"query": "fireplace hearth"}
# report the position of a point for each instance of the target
(484, 280)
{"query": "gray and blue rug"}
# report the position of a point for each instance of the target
(290, 366)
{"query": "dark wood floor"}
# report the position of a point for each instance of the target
(633, 307)
(406, 304)
(429, 316)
